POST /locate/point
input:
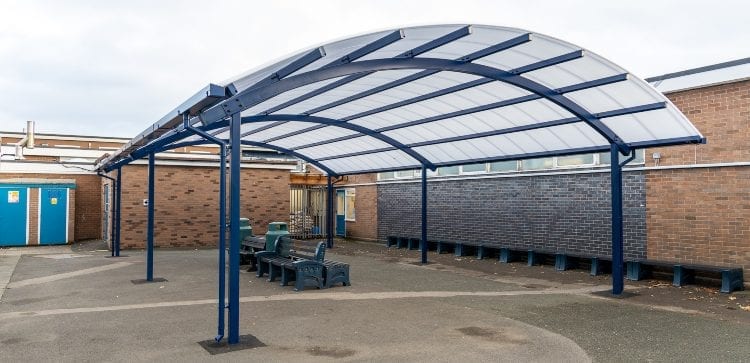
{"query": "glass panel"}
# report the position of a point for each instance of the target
(447, 170)
(350, 196)
(474, 168)
(404, 174)
(504, 166)
(536, 164)
(585, 159)
(386, 175)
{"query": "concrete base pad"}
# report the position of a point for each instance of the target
(144, 281)
(246, 342)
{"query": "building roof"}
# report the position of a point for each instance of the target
(427, 96)
(732, 71)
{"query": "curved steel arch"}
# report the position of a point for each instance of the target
(332, 122)
(252, 143)
(249, 98)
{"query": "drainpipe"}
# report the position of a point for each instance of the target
(27, 141)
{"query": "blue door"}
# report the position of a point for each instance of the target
(14, 204)
(341, 213)
(53, 221)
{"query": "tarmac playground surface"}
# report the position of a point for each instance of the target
(72, 303)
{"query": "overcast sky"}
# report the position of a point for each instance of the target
(111, 68)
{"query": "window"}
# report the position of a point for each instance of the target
(447, 170)
(349, 204)
(575, 160)
(386, 175)
(504, 166)
(536, 164)
(404, 174)
(473, 168)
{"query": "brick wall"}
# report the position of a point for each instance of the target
(365, 225)
(701, 215)
(722, 114)
(186, 204)
(568, 213)
(85, 202)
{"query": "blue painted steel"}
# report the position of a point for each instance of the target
(423, 242)
(245, 100)
(617, 259)
(341, 213)
(499, 104)
(118, 203)
(205, 97)
(594, 83)
(310, 160)
(222, 240)
(290, 68)
(234, 229)
(346, 125)
(53, 216)
(632, 110)
(150, 224)
(369, 48)
(329, 212)
(548, 62)
(14, 205)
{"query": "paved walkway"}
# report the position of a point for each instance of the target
(81, 306)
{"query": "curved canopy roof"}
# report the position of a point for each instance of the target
(427, 96)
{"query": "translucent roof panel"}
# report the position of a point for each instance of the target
(428, 96)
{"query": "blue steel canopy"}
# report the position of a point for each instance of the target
(427, 96)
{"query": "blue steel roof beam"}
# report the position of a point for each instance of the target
(297, 155)
(513, 101)
(435, 43)
(290, 68)
(548, 62)
(369, 48)
(509, 130)
(244, 100)
(471, 57)
(328, 121)
(457, 88)
(322, 167)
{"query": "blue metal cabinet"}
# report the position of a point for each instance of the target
(14, 216)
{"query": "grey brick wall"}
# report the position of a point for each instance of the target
(564, 213)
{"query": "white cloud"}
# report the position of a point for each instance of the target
(112, 68)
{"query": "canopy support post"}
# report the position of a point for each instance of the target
(423, 242)
(329, 213)
(118, 208)
(234, 229)
(618, 278)
(150, 225)
(222, 239)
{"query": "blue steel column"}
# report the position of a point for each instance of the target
(118, 198)
(150, 227)
(222, 239)
(423, 242)
(234, 230)
(113, 227)
(329, 213)
(617, 259)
